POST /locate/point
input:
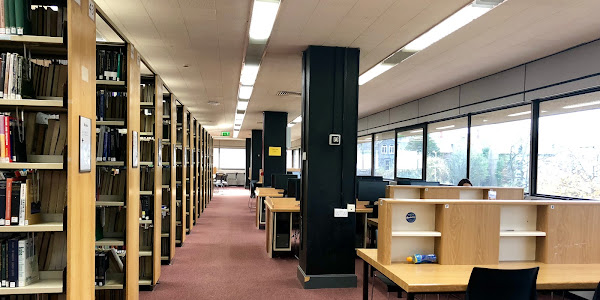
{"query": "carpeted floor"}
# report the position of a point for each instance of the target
(225, 258)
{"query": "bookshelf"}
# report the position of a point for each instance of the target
(196, 169)
(181, 166)
(189, 174)
(168, 227)
(118, 184)
(69, 257)
(151, 165)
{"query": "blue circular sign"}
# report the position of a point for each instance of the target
(411, 217)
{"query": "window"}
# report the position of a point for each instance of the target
(230, 158)
(296, 158)
(384, 158)
(409, 146)
(569, 147)
(363, 156)
(216, 158)
(500, 148)
(447, 151)
(288, 159)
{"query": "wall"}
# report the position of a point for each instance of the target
(229, 143)
(572, 70)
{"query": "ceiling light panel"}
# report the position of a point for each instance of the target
(245, 92)
(263, 17)
(242, 105)
(249, 73)
(297, 120)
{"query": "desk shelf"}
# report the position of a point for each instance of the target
(416, 234)
(51, 282)
(522, 233)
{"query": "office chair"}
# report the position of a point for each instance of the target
(597, 293)
(495, 284)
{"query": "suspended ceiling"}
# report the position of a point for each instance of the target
(209, 37)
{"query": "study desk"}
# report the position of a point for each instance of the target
(435, 278)
(361, 224)
(261, 194)
(279, 219)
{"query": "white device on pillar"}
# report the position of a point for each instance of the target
(335, 139)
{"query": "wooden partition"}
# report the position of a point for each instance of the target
(452, 192)
(465, 232)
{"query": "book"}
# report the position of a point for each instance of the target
(7, 214)
(4, 262)
(13, 267)
(10, 11)
(2, 202)
(28, 263)
(15, 203)
(6, 125)
(2, 21)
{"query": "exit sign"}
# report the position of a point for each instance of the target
(225, 133)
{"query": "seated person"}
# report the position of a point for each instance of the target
(465, 182)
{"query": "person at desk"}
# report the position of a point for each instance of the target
(465, 182)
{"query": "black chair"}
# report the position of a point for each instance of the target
(597, 293)
(495, 284)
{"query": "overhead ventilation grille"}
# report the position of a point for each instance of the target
(288, 93)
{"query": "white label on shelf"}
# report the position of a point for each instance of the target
(132, 52)
(85, 144)
(85, 74)
(20, 31)
(5, 36)
(92, 10)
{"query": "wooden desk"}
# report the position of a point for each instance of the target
(361, 224)
(261, 194)
(435, 278)
(373, 222)
(279, 213)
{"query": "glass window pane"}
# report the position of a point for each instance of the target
(447, 151)
(410, 154)
(500, 148)
(216, 158)
(384, 154)
(288, 159)
(363, 156)
(569, 147)
(232, 158)
(296, 159)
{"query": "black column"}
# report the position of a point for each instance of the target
(274, 126)
(329, 106)
(256, 154)
(248, 152)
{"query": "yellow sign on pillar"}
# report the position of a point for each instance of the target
(274, 151)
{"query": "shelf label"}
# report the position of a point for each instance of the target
(85, 144)
(85, 74)
(411, 217)
(274, 151)
(92, 10)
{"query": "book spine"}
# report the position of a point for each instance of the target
(21, 258)
(105, 149)
(8, 207)
(10, 10)
(13, 267)
(6, 126)
(23, 197)
(2, 20)
(6, 75)
(19, 70)
(19, 16)
(102, 104)
(11, 74)
(2, 201)
(2, 70)
(4, 260)
(2, 137)
(15, 202)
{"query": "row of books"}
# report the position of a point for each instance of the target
(146, 265)
(111, 105)
(110, 65)
(15, 77)
(111, 144)
(12, 144)
(146, 150)
(49, 80)
(110, 181)
(45, 134)
(14, 203)
(48, 21)
(48, 190)
(51, 248)
(18, 262)
(147, 92)
(146, 123)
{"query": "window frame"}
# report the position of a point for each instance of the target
(372, 135)
(422, 126)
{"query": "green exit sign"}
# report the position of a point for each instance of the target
(225, 133)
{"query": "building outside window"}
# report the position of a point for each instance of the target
(230, 158)
(384, 154)
(363, 156)
(569, 147)
(447, 151)
(500, 146)
(409, 163)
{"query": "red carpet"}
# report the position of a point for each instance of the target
(225, 258)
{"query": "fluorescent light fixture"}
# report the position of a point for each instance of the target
(237, 126)
(297, 120)
(374, 72)
(451, 24)
(485, 120)
(520, 113)
(263, 18)
(445, 127)
(416, 131)
(235, 133)
(239, 117)
(242, 105)
(245, 92)
(582, 104)
(249, 73)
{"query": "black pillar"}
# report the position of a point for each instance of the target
(274, 133)
(329, 106)
(248, 152)
(256, 156)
